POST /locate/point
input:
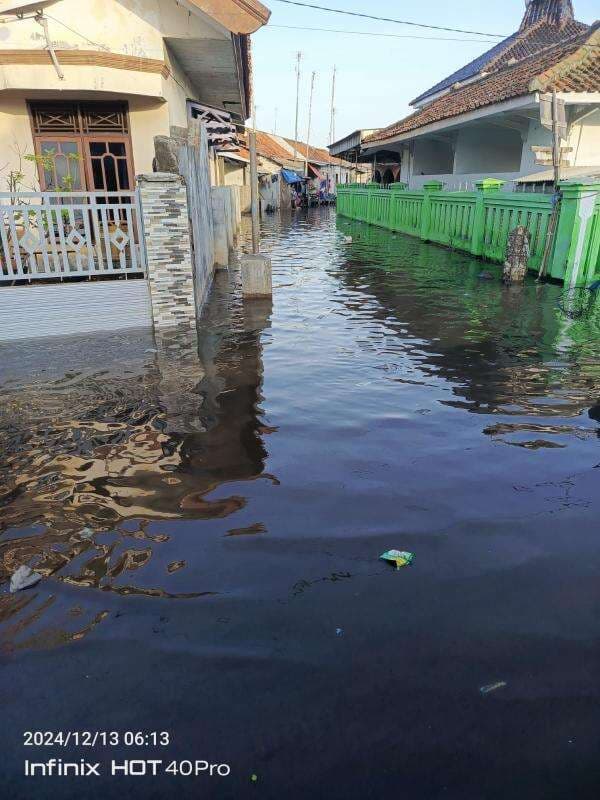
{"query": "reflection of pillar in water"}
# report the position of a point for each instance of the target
(179, 373)
(231, 389)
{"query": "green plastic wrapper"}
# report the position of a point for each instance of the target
(398, 557)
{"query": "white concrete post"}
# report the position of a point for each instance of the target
(221, 233)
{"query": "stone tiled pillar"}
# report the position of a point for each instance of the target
(168, 249)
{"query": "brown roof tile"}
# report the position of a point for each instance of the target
(572, 66)
(317, 154)
(545, 22)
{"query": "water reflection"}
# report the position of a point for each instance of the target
(100, 437)
(506, 351)
(386, 358)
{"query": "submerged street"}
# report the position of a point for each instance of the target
(208, 518)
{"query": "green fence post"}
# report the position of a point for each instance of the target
(485, 187)
(429, 188)
(575, 226)
(394, 189)
(372, 189)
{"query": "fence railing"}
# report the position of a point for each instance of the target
(590, 262)
(61, 235)
(480, 222)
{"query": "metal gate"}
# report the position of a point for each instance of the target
(66, 235)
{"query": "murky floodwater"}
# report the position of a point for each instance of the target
(208, 515)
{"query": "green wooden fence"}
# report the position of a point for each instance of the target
(480, 222)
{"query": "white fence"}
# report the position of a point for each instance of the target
(62, 235)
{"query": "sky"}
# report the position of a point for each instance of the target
(377, 76)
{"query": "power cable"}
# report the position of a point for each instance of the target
(375, 33)
(490, 36)
(388, 19)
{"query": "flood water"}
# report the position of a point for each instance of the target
(208, 516)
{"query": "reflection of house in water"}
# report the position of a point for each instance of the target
(132, 429)
(496, 346)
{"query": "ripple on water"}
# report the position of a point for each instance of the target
(365, 382)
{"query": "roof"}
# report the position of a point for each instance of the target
(546, 22)
(317, 155)
(286, 151)
(269, 147)
(572, 66)
(238, 16)
(566, 173)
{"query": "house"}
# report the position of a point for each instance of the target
(325, 170)
(85, 87)
(350, 149)
(485, 119)
(282, 163)
(88, 90)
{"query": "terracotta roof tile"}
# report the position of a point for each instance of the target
(317, 154)
(573, 66)
(545, 22)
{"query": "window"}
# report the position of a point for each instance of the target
(83, 146)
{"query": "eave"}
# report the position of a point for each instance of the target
(238, 16)
(529, 100)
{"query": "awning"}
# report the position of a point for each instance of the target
(291, 177)
(566, 173)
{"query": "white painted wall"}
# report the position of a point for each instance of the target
(585, 141)
(126, 27)
(487, 148)
(60, 309)
(432, 156)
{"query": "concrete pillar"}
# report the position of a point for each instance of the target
(168, 249)
(485, 187)
(221, 233)
(574, 241)
(256, 276)
(428, 189)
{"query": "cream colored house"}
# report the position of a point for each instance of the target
(486, 120)
(87, 84)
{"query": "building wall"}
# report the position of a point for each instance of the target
(487, 147)
(236, 174)
(537, 136)
(585, 141)
(269, 187)
(129, 27)
(431, 156)
(126, 27)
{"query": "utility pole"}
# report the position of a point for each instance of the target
(254, 192)
(553, 117)
(312, 89)
(332, 120)
(275, 125)
(556, 148)
(298, 60)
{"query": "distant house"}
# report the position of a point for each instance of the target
(484, 119)
(325, 169)
(350, 149)
(281, 161)
(85, 87)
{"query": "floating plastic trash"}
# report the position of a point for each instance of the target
(398, 557)
(493, 687)
(24, 578)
